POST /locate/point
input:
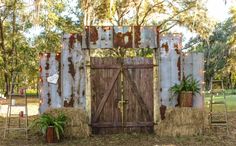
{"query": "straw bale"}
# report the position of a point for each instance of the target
(77, 124)
(78, 131)
(182, 122)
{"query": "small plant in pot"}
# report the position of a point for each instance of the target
(51, 127)
(185, 91)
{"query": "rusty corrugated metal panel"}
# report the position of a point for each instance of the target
(193, 64)
(73, 71)
(173, 65)
(119, 36)
(145, 37)
(123, 36)
(169, 69)
(49, 92)
(106, 37)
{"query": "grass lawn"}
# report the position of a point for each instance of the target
(230, 100)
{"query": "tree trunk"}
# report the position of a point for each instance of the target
(4, 55)
(230, 80)
(209, 77)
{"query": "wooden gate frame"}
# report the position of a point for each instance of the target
(156, 80)
(156, 100)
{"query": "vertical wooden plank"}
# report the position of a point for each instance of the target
(88, 87)
(156, 99)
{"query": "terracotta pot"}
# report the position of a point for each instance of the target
(186, 99)
(51, 136)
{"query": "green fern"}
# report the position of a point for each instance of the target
(187, 84)
(46, 120)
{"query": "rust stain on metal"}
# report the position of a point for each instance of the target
(179, 68)
(79, 38)
(40, 69)
(47, 66)
(118, 39)
(49, 99)
(71, 41)
(137, 36)
(70, 103)
(166, 47)
(71, 67)
(93, 34)
(177, 50)
(129, 43)
(58, 56)
(123, 39)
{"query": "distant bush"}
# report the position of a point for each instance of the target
(31, 92)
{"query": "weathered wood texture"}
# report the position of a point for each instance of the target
(73, 71)
(95, 37)
(49, 93)
(106, 93)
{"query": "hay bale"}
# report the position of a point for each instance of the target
(77, 124)
(79, 131)
(182, 122)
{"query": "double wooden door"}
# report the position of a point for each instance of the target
(122, 95)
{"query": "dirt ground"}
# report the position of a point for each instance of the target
(211, 137)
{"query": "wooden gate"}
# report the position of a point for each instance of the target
(122, 95)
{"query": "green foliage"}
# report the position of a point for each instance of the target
(220, 53)
(165, 14)
(31, 92)
(187, 84)
(46, 120)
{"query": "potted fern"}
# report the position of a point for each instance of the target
(185, 91)
(51, 127)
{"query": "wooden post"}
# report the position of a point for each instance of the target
(156, 80)
(88, 85)
(156, 100)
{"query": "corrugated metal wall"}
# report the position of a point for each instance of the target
(174, 65)
(170, 66)
(193, 64)
(50, 93)
(73, 71)
(105, 37)
(70, 64)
